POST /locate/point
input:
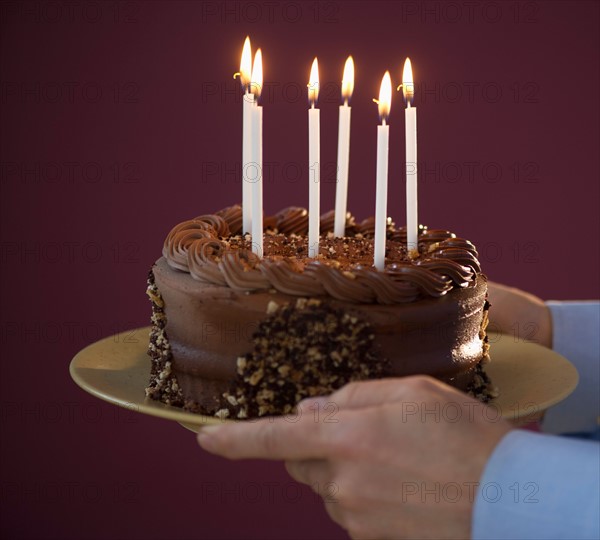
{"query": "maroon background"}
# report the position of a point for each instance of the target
(152, 98)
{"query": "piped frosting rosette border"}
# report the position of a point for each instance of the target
(200, 247)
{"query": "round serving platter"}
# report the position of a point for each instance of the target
(530, 378)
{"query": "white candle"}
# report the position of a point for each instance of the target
(314, 162)
(247, 163)
(412, 220)
(248, 105)
(257, 158)
(383, 137)
(341, 190)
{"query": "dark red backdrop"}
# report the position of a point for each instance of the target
(120, 119)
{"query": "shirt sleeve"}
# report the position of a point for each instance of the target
(538, 486)
(576, 335)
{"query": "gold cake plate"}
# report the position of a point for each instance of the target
(530, 378)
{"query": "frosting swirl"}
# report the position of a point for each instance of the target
(211, 250)
(292, 220)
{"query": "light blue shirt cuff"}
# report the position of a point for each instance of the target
(576, 335)
(538, 486)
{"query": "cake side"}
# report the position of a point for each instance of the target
(209, 328)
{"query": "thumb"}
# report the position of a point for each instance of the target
(358, 395)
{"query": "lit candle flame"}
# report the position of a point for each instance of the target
(246, 64)
(313, 83)
(348, 80)
(408, 86)
(257, 75)
(385, 97)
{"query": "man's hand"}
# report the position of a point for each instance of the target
(519, 314)
(393, 458)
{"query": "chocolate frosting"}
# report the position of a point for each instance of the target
(210, 249)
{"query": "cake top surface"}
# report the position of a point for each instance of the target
(212, 249)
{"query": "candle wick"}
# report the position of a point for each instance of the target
(383, 122)
(346, 102)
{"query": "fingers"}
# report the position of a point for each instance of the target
(321, 428)
(318, 474)
(268, 438)
(312, 472)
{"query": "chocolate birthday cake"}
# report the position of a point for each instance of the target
(238, 336)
